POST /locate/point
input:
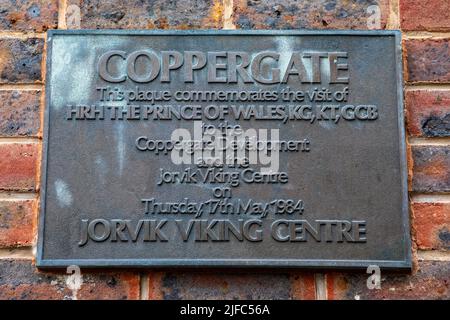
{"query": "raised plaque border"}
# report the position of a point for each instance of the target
(401, 265)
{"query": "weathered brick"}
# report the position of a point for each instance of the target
(432, 225)
(419, 15)
(430, 281)
(427, 60)
(26, 15)
(158, 14)
(20, 280)
(18, 164)
(16, 223)
(213, 286)
(431, 168)
(20, 60)
(19, 113)
(293, 14)
(428, 113)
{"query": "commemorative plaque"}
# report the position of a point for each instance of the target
(219, 149)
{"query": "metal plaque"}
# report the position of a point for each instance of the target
(224, 148)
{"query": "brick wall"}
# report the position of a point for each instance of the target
(426, 44)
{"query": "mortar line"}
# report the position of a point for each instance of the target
(427, 86)
(21, 86)
(441, 141)
(144, 287)
(62, 7)
(21, 35)
(14, 196)
(7, 140)
(397, 13)
(321, 286)
(228, 15)
(431, 255)
(393, 21)
(425, 35)
(434, 198)
(17, 253)
(42, 107)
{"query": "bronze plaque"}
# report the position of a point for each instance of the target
(220, 149)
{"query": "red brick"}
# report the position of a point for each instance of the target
(255, 285)
(19, 113)
(16, 223)
(19, 279)
(293, 14)
(431, 168)
(428, 113)
(432, 225)
(20, 60)
(427, 60)
(430, 281)
(26, 15)
(18, 165)
(430, 15)
(156, 14)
